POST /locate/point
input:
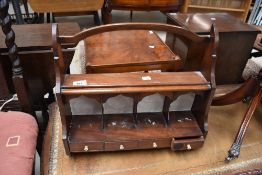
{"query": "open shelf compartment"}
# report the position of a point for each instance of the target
(122, 132)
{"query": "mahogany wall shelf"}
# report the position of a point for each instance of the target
(178, 130)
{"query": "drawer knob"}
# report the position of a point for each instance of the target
(86, 148)
(121, 147)
(154, 145)
(188, 147)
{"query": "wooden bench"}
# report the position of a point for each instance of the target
(180, 130)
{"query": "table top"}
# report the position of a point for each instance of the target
(224, 122)
(127, 47)
(40, 6)
(37, 36)
(201, 22)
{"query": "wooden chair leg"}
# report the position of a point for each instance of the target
(106, 15)
(48, 17)
(235, 148)
(96, 18)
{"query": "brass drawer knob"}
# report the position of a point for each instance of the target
(188, 147)
(154, 145)
(121, 147)
(86, 148)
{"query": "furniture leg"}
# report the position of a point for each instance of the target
(235, 148)
(53, 18)
(26, 8)
(18, 13)
(106, 13)
(48, 19)
(96, 18)
(18, 78)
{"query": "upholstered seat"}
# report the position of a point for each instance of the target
(18, 139)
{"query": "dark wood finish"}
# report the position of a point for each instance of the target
(208, 158)
(17, 72)
(68, 8)
(127, 135)
(34, 50)
(178, 130)
(151, 53)
(40, 36)
(65, 6)
(235, 43)
(247, 89)
(251, 88)
(239, 9)
(139, 5)
(38, 69)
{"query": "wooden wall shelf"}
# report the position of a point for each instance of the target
(237, 8)
(178, 129)
(216, 8)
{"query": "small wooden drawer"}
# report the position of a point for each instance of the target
(121, 145)
(87, 147)
(186, 144)
(154, 143)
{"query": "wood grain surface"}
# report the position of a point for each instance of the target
(223, 125)
(65, 6)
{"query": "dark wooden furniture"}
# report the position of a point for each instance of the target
(237, 8)
(208, 159)
(37, 60)
(251, 88)
(235, 43)
(67, 8)
(139, 5)
(17, 75)
(137, 50)
(178, 130)
(19, 131)
(38, 69)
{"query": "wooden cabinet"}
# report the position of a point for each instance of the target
(34, 46)
(237, 8)
(236, 40)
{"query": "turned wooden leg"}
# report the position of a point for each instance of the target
(106, 14)
(96, 18)
(235, 148)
